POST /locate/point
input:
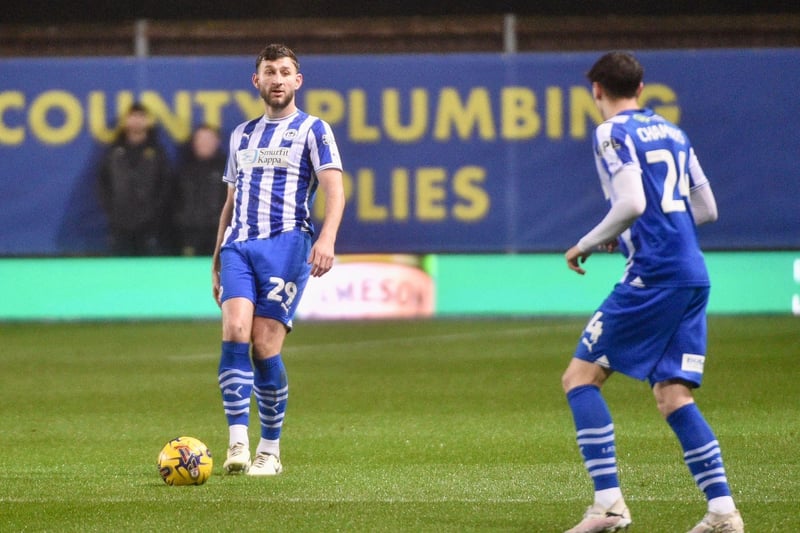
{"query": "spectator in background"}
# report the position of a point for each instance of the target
(134, 182)
(200, 193)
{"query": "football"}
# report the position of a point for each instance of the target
(185, 461)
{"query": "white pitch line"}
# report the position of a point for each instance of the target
(330, 346)
(282, 499)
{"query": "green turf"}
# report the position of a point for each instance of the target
(443, 425)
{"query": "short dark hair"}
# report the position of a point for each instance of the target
(271, 52)
(619, 73)
(207, 126)
(137, 107)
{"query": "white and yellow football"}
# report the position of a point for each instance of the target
(185, 461)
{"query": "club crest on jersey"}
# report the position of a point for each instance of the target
(263, 157)
(289, 135)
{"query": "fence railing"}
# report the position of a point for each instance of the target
(507, 33)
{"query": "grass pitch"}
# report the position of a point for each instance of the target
(392, 426)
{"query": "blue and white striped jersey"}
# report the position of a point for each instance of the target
(273, 165)
(661, 246)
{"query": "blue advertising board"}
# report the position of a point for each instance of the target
(461, 153)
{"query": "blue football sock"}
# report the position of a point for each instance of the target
(272, 391)
(236, 381)
(595, 435)
(701, 451)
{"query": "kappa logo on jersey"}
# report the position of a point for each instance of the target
(326, 140)
(263, 157)
(289, 135)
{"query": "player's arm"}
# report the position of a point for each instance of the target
(704, 205)
(628, 205)
(224, 221)
(322, 253)
(701, 197)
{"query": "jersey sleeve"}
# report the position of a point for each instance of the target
(229, 176)
(613, 147)
(628, 204)
(697, 178)
(323, 148)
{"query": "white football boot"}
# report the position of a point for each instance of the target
(265, 464)
(597, 519)
(720, 523)
(238, 459)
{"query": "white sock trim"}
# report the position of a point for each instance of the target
(272, 447)
(721, 505)
(607, 497)
(237, 433)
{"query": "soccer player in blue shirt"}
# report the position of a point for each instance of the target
(653, 324)
(264, 253)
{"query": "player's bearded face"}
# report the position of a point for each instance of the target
(277, 96)
(277, 82)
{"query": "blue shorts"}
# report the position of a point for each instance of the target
(653, 333)
(272, 273)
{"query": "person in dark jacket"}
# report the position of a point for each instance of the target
(200, 192)
(134, 184)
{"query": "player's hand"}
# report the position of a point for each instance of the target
(216, 288)
(611, 246)
(575, 258)
(320, 258)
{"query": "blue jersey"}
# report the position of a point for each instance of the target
(273, 165)
(661, 246)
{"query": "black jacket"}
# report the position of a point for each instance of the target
(134, 185)
(200, 193)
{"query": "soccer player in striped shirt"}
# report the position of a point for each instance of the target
(265, 253)
(653, 324)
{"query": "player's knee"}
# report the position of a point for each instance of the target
(571, 380)
(265, 350)
(580, 373)
(236, 330)
(566, 382)
(671, 396)
(667, 407)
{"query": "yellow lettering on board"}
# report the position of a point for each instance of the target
(414, 130)
(251, 105)
(366, 208)
(11, 100)
(554, 111)
(474, 204)
(178, 123)
(98, 119)
(431, 194)
(64, 102)
(581, 109)
(400, 194)
(325, 104)
(519, 117)
(657, 93)
(452, 113)
(212, 103)
(360, 130)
